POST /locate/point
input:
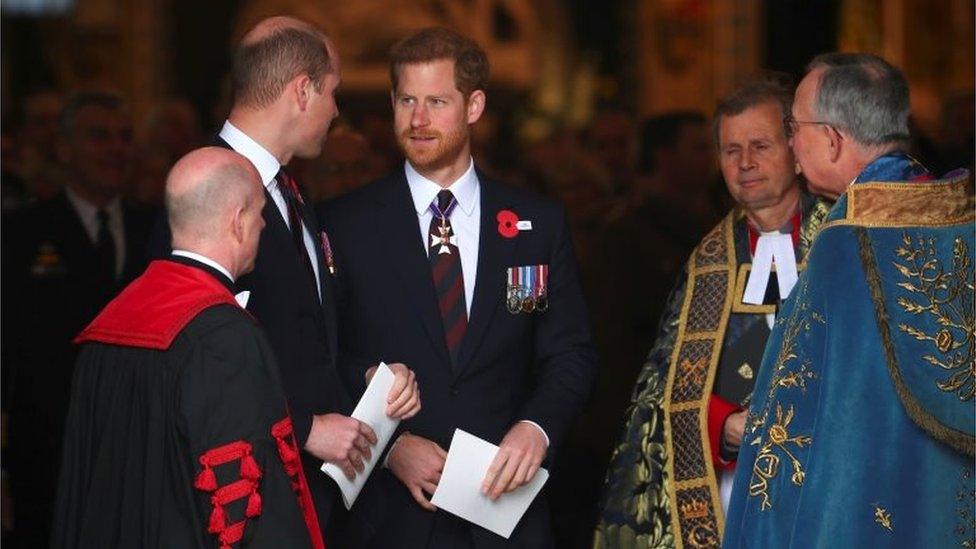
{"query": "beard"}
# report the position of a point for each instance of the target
(443, 151)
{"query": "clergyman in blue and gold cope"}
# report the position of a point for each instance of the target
(860, 432)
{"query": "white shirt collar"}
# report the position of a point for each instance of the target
(205, 260)
(88, 210)
(265, 162)
(424, 191)
(89, 213)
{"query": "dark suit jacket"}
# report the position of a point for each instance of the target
(301, 329)
(51, 290)
(537, 366)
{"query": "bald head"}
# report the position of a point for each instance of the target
(204, 190)
(272, 54)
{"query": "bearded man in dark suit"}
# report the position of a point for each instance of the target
(422, 258)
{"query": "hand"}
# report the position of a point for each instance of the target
(341, 441)
(418, 463)
(518, 458)
(403, 400)
(734, 426)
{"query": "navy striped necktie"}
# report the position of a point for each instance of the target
(445, 264)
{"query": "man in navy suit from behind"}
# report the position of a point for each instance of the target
(423, 259)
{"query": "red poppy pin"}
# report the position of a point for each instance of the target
(507, 223)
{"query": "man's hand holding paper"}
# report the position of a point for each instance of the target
(519, 456)
(391, 395)
(342, 441)
(403, 400)
(460, 490)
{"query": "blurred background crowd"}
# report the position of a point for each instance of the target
(602, 105)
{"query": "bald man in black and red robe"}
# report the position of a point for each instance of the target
(178, 432)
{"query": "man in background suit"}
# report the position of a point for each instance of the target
(422, 257)
(64, 259)
(284, 77)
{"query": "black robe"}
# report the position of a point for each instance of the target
(185, 443)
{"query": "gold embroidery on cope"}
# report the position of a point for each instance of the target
(883, 517)
(704, 315)
(960, 440)
(965, 529)
(777, 442)
(767, 462)
(692, 374)
(946, 295)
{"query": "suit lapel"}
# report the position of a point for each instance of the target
(405, 251)
(74, 230)
(325, 278)
(489, 289)
(135, 253)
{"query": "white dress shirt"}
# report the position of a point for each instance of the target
(465, 219)
(88, 214)
(268, 167)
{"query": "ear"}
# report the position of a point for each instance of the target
(835, 143)
(237, 225)
(393, 99)
(475, 106)
(302, 86)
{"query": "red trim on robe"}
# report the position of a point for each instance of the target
(719, 410)
(244, 487)
(152, 310)
(290, 458)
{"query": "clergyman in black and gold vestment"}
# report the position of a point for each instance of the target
(670, 475)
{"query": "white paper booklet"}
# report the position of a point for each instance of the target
(371, 410)
(459, 491)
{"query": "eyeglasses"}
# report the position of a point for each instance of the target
(792, 125)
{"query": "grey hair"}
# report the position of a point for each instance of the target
(863, 95)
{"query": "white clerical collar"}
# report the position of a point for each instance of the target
(424, 191)
(772, 248)
(265, 162)
(241, 297)
(206, 261)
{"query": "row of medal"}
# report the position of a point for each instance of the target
(527, 289)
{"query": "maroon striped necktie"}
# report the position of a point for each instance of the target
(445, 264)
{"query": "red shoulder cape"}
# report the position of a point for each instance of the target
(152, 310)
